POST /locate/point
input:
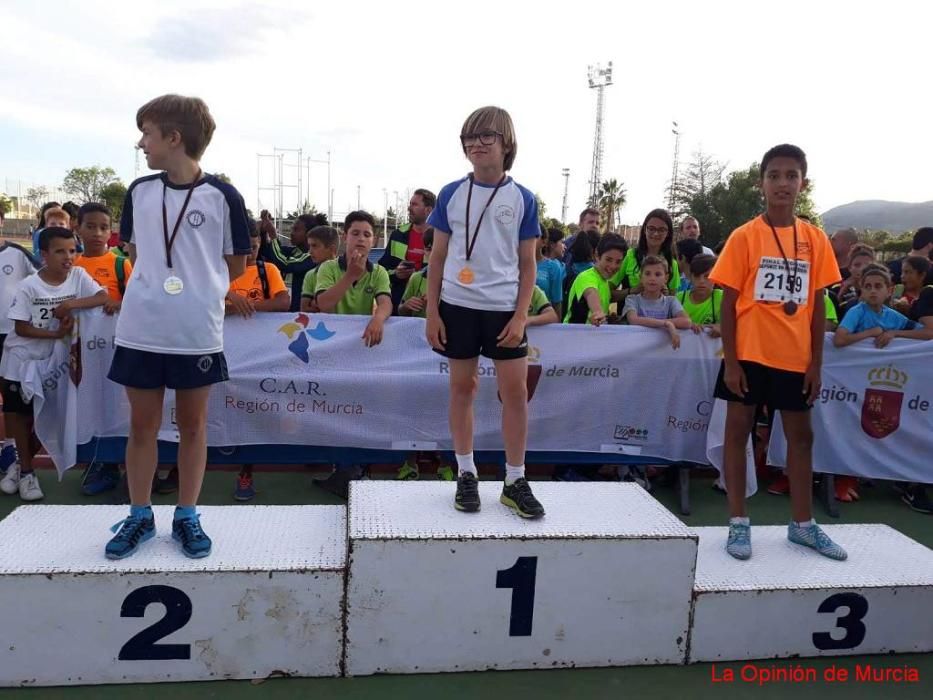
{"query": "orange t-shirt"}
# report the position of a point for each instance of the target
(751, 263)
(103, 270)
(249, 285)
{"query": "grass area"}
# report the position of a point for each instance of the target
(878, 504)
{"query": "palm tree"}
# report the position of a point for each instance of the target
(611, 198)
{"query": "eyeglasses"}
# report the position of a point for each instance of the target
(654, 229)
(486, 138)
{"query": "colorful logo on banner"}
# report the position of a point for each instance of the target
(881, 408)
(298, 333)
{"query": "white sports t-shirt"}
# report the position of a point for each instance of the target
(34, 301)
(16, 264)
(214, 225)
(512, 217)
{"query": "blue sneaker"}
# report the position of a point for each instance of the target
(99, 477)
(812, 536)
(739, 544)
(194, 542)
(7, 457)
(133, 531)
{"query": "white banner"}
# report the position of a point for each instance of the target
(298, 379)
(875, 413)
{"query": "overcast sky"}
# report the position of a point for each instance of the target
(385, 86)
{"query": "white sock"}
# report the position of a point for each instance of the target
(465, 464)
(513, 473)
(805, 523)
(740, 521)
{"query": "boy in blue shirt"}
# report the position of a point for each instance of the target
(870, 318)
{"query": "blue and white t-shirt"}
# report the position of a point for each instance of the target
(512, 217)
(214, 225)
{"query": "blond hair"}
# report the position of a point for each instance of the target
(493, 119)
(55, 211)
(189, 116)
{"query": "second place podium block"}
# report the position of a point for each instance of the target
(268, 600)
(604, 579)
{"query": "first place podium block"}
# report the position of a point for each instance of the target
(788, 600)
(267, 600)
(604, 579)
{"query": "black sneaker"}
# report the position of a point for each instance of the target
(518, 497)
(917, 498)
(467, 498)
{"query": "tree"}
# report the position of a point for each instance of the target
(113, 195)
(548, 223)
(36, 196)
(701, 174)
(6, 206)
(86, 183)
(735, 200)
(542, 207)
(610, 199)
(223, 177)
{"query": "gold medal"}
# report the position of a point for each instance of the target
(466, 276)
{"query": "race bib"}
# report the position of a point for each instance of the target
(774, 284)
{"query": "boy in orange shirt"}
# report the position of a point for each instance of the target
(261, 287)
(773, 271)
(111, 272)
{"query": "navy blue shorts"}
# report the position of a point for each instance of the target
(139, 369)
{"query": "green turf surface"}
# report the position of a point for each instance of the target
(878, 504)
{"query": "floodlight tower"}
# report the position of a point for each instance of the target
(670, 200)
(599, 79)
(563, 210)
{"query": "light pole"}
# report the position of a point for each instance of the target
(563, 210)
(385, 217)
(358, 207)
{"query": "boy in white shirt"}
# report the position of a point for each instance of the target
(485, 237)
(41, 313)
(188, 238)
(16, 264)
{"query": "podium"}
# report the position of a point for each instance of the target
(604, 579)
(268, 599)
(788, 600)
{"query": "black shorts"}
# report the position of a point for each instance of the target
(12, 400)
(139, 369)
(2, 342)
(778, 389)
(471, 333)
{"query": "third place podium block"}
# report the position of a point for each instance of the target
(604, 579)
(268, 599)
(790, 601)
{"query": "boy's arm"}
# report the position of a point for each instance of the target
(90, 302)
(434, 329)
(635, 320)
(236, 265)
(843, 336)
(280, 302)
(597, 315)
(25, 329)
(543, 317)
(682, 321)
(514, 330)
(294, 260)
(327, 299)
(812, 380)
(372, 335)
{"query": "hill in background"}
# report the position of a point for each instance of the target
(876, 214)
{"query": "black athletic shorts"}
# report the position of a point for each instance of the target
(13, 400)
(139, 369)
(778, 389)
(471, 333)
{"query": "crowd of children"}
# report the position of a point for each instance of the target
(478, 275)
